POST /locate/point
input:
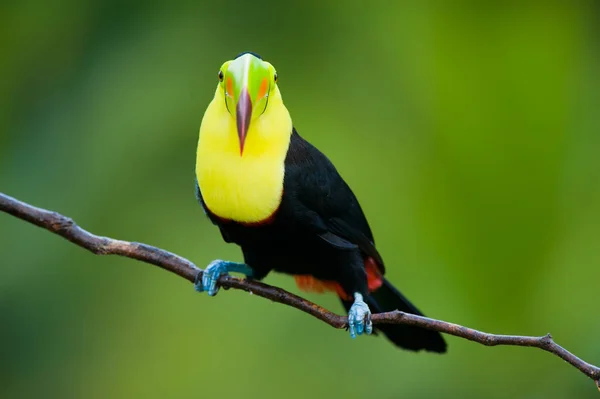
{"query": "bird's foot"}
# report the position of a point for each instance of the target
(359, 317)
(214, 270)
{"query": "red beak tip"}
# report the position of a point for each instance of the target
(243, 117)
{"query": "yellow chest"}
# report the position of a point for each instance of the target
(248, 187)
(238, 188)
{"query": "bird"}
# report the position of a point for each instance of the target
(284, 203)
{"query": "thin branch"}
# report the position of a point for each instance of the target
(66, 227)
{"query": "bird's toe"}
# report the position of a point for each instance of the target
(359, 318)
(211, 275)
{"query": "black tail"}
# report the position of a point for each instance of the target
(386, 299)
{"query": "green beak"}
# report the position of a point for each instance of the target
(246, 87)
(243, 116)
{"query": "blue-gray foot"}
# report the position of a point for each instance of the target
(359, 317)
(214, 270)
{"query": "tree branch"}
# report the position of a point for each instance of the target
(66, 227)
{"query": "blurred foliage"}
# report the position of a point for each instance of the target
(469, 132)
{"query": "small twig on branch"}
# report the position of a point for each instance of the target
(66, 227)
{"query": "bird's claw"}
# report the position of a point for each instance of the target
(210, 276)
(213, 271)
(359, 317)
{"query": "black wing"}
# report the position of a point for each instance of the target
(320, 197)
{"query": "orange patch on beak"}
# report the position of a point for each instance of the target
(262, 91)
(229, 88)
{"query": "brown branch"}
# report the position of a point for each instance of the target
(65, 227)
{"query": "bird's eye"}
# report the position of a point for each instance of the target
(275, 77)
(220, 76)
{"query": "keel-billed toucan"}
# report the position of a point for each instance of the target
(284, 203)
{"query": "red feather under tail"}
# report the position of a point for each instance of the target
(310, 284)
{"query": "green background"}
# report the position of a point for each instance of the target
(468, 130)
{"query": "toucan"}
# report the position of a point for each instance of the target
(284, 203)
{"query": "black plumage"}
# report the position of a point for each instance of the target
(320, 230)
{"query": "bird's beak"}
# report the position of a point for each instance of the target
(244, 91)
(243, 115)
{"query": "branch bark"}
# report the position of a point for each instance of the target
(67, 228)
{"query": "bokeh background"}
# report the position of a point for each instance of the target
(469, 132)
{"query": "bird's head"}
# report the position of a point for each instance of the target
(247, 82)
